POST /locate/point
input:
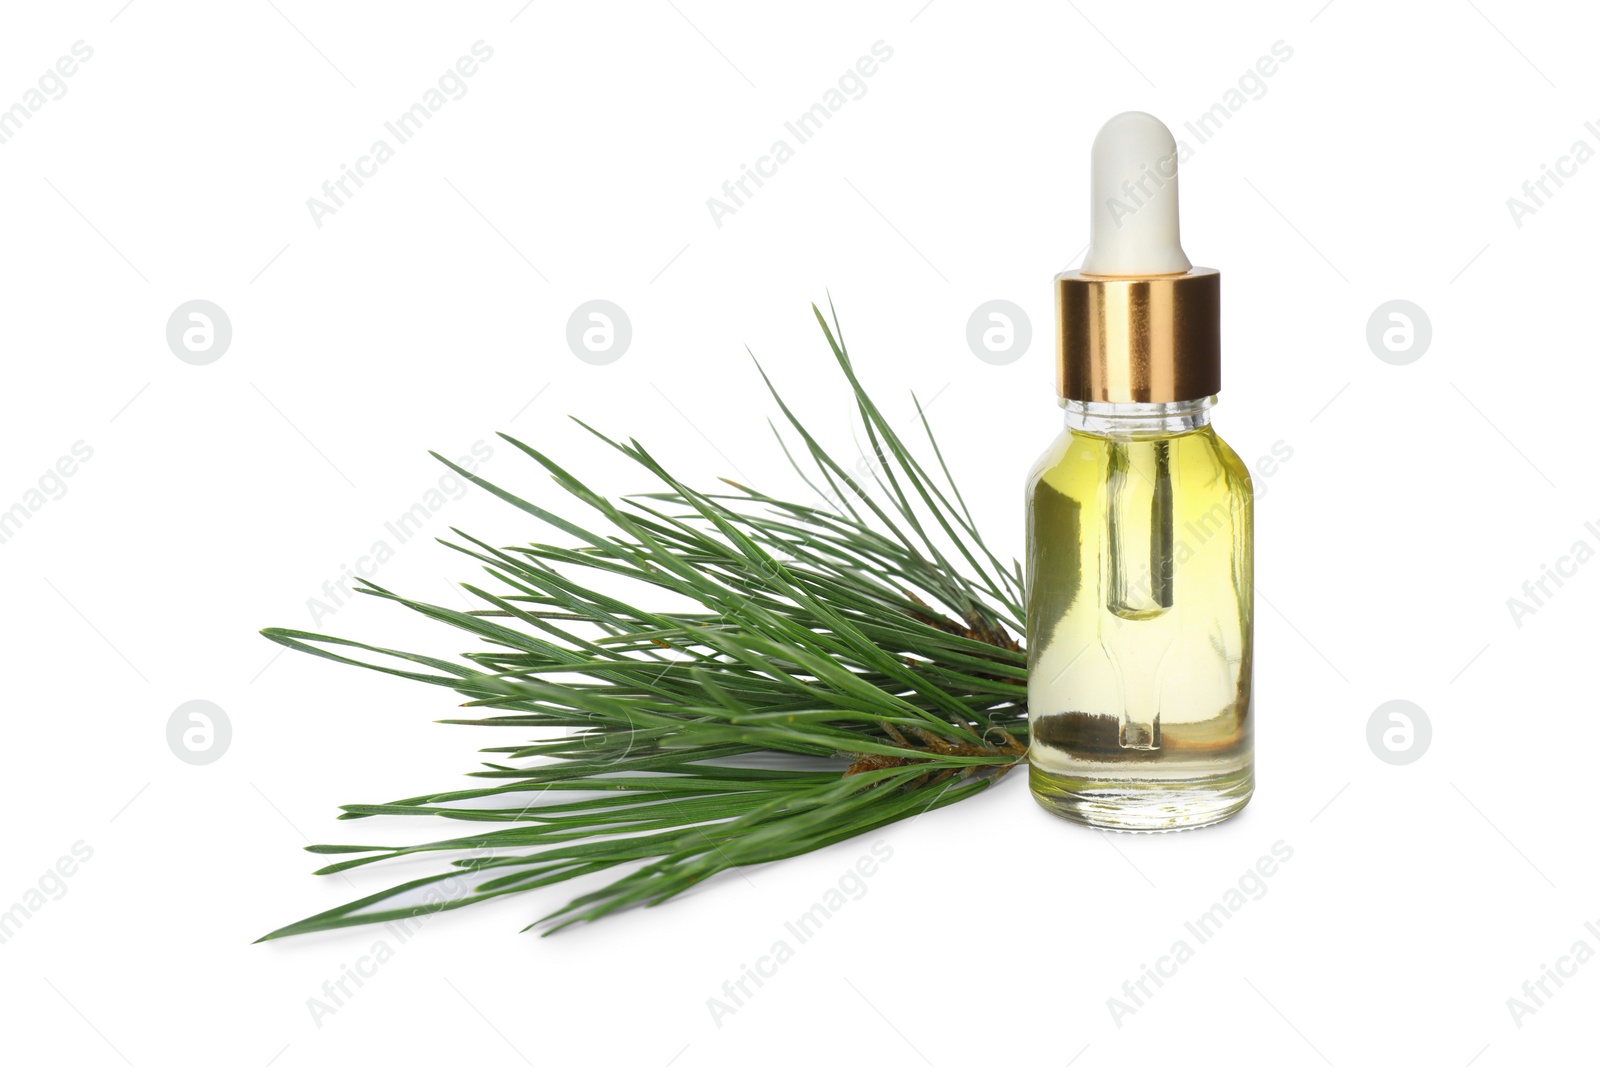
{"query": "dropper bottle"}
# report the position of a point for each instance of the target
(1139, 525)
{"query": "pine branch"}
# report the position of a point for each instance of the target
(849, 665)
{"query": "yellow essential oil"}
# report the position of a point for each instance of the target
(1139, 574)
(1139, 614)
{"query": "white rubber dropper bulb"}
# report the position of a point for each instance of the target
(1133, 188)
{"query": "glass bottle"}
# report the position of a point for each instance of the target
(1139, 517)
(1139, 619)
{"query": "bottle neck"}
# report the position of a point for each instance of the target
(1137, 420)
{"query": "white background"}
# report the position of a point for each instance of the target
(429, 312)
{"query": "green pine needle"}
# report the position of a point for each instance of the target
(850, 664)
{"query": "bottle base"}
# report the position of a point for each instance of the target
(1142, 807)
